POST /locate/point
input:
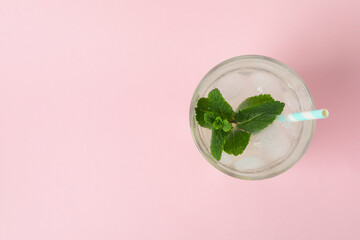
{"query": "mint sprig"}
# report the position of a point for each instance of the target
(231, 130)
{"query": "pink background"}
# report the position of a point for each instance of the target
(94, 133)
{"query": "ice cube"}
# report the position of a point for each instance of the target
(267, 83)
(292, 129)
(272, 143)
(231, 85)
(260, 79)
(226, 159)
(292, 104)
(249, 163)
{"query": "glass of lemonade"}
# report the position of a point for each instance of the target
(277, 147)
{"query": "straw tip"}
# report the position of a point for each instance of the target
(325, 113)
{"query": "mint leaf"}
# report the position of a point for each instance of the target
(251, 101)
(218, 138)
(227, 126)
(257, 117)
(236, 142)
(209, 118)
(201, 109)
(218, 123)
(219, 106)
(215, 106)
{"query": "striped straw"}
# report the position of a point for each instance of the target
(302, 116)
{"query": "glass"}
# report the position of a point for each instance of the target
(279, 146)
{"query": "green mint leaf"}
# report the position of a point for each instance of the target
(227, 126)
(218, 138)
(257, 117)
(219, 106)
(208, 109)
(209, 118)
(218, 123)
(252, 101)
(236, 142)
(201, 109)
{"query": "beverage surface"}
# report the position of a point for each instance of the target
(272, 145)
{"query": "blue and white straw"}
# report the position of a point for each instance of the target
(302, 116)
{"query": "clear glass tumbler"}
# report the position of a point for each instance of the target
(279, 146)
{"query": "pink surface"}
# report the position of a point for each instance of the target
(94, 134)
